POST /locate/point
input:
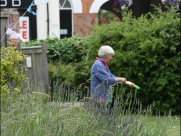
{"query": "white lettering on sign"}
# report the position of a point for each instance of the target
(24, 28)
(5, 3)
(13, 3)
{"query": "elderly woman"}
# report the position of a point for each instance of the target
(14, 40)
(101, 77)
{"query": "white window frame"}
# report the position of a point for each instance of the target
(71, 8)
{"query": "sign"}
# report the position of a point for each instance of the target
(20, 4)
(24, 28)
(28, 62)
(63, 31)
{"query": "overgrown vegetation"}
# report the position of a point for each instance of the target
(147, 52)
(34, 114)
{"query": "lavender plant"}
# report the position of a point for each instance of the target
(34, 114)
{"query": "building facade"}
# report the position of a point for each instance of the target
(65, 18)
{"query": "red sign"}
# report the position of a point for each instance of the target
(24, 28)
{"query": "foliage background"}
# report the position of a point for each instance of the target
(147, 52)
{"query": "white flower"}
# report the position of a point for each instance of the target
(123, 7)
(130, 2)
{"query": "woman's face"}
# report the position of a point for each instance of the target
(14, 42)
(107, 59)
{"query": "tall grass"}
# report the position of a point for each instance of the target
(34, 114)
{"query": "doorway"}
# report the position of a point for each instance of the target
(65, 23)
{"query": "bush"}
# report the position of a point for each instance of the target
(147, 52)
(69, 55)
(12, 71)
(68, 50)
(61, 73)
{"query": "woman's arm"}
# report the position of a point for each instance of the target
(106, 76)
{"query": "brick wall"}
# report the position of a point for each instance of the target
(83, 23)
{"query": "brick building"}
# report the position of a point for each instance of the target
(69, 17)
(64, 18)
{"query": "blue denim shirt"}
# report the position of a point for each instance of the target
(101, 81)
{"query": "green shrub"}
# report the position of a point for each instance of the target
(147, 52)
(68, 50)
(12, 72)
(61, 73)
(32, 43)
(68, 55)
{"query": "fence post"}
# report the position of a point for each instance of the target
(45, 65)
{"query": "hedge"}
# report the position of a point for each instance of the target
(147, 52)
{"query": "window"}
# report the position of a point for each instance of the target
(64, 4)
(66, 19)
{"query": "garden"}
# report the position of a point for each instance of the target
(147, 52)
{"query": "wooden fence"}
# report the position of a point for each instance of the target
(37, 65)
(3, 25)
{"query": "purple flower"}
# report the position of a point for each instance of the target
(123, 2)
(169, 3)
(116, 3)
(174, 2)
(120, 3)
(171, 0)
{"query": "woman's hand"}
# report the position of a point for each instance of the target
(131, 84)
(120, 79)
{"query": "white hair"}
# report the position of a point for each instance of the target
(105, 50)
(13, 37)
